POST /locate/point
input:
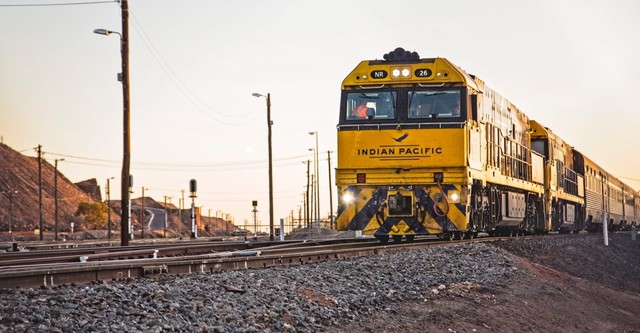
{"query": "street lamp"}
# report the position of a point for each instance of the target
(268, 97)
(317, 181)
(313, 209)
(55, 195)
(330, 190)
(10, 193)
(126, 156)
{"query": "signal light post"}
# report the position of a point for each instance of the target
(255, 219)
(193, 189)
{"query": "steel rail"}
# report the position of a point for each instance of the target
(268, 256)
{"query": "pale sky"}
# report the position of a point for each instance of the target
(572, 65)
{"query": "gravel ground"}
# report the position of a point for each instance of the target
(306, 298)
(558, 284)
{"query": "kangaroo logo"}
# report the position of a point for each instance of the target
(401, 138)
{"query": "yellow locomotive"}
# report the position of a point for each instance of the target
(426, 148)
(564, 187)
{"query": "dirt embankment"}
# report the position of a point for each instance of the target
(571, 284)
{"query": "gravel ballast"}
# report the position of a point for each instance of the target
(307, 298)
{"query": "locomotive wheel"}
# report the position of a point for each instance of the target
(410, 238)
(458, 235)
(447, 236)
(397, 238)
(384, 239)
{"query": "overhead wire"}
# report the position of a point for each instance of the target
(159, 166)
(57, 4)
(188, 93)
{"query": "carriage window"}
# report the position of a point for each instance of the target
(371, 105)
(434, 104)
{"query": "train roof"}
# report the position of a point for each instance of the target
(405, 67)
(538, 130)
(610, 177)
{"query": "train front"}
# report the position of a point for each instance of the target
(403, 148)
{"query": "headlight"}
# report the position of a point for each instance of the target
(404, 72)
(454, 197)
(347, 198)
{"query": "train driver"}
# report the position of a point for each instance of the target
(455, 109)
(449, 106)
(360, 111)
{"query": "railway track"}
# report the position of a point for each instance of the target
(100, 253)
(191, 258)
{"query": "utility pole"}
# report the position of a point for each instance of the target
(129, 215)
(126, 106)
(123, 77)
(40, 189)
(271, 233)
(292, 221)
(55, 195)
(165, 215)
(10, 193)
(109, 209)
(316, 162)
(313, 202)
(142, 214)
(307, 207)
(269, 124)
(330, 191)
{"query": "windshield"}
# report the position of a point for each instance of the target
(434, 104)
(371, 105)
